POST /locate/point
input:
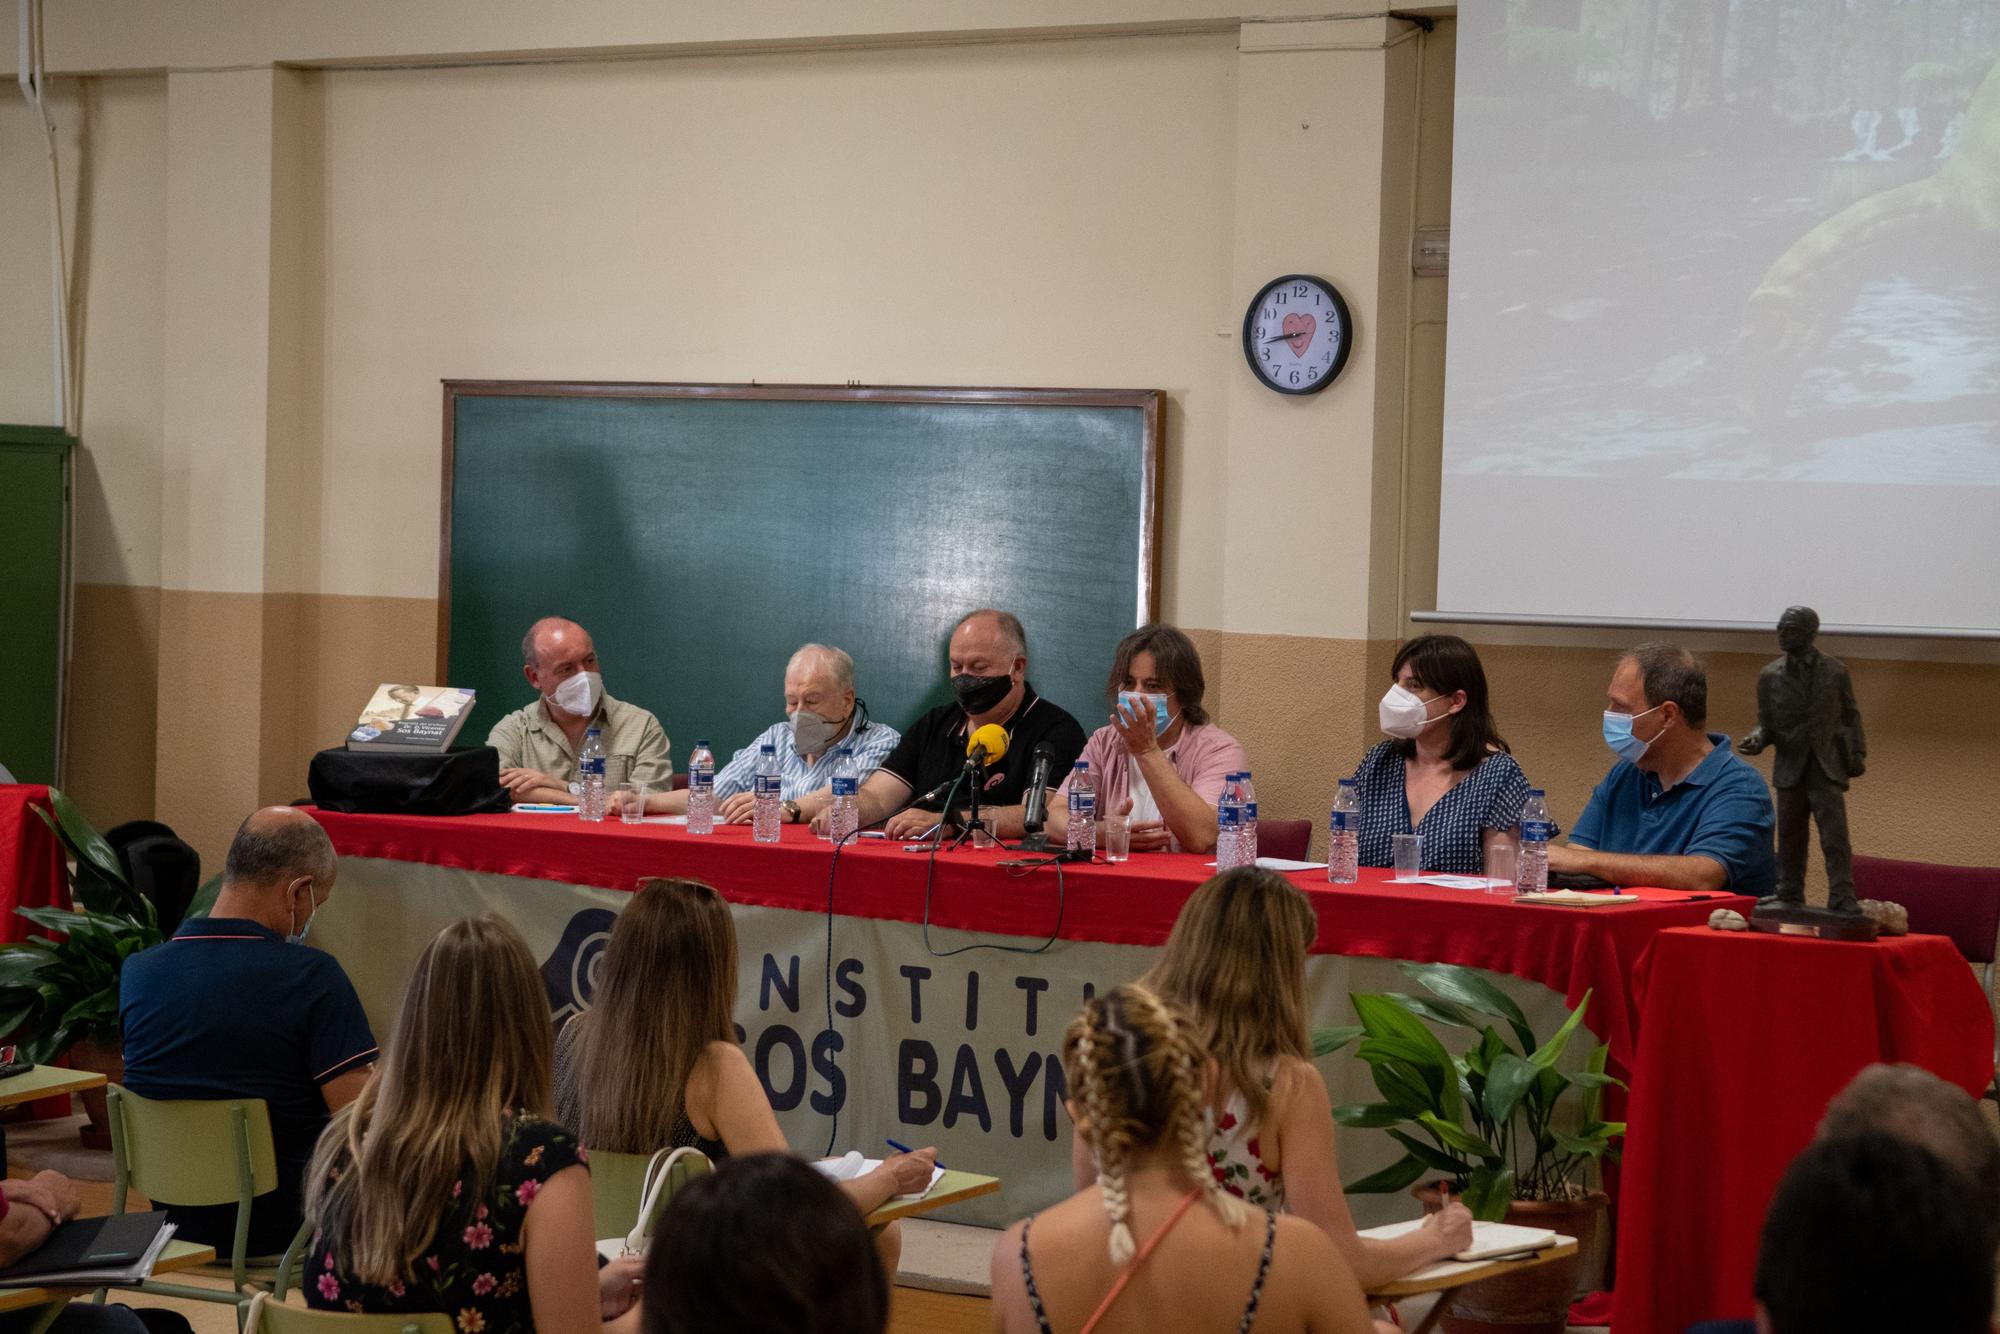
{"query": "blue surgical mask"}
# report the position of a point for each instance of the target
(298, 937)
(1618, 734)
(1134, 701)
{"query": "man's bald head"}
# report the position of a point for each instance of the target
(276, 846)
(548, 638)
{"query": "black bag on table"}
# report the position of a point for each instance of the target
(457, 782)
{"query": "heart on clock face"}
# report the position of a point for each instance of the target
(1299, 332)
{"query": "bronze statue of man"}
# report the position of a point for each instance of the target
(1805, 705)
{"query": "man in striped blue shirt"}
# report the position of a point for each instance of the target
(821, 715)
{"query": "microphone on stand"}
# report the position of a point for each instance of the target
(1035, 809)
(985, 746)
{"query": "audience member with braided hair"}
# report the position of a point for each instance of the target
(1155, 1243)
(1236, 963)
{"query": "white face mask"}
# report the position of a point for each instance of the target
(579, 694)
(1403, 715)
(812, 734)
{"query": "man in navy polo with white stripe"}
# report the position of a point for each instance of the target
(236, 1005)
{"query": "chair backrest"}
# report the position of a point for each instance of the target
(1962, 902)
(1287, 839)
(268, 1316)
(618, 1182)
(191, 1152)
(678, 783)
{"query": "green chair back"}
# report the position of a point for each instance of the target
(618, 1183)
(274, 1317)
(192, 1152)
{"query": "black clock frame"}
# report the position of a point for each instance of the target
(1343, 320)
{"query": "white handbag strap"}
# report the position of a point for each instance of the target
(658, 1172)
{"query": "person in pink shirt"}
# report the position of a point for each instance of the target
(1159, 760)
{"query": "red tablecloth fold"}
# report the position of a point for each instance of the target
(1743, 1040)
(31, 861)
(1569, 950)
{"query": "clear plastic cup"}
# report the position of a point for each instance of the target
(1114, 833)
(1409, 855)
(632, 806)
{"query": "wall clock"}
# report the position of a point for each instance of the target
(1297, 334)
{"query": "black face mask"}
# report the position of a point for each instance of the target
(977, 694)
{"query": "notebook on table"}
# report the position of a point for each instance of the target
(120, 1248)
(1490, 1241)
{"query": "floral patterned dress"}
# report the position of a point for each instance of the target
(1238, 1162)
(474, 1269)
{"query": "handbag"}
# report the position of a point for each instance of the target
(653, 1192)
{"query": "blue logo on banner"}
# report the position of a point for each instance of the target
(569, 974)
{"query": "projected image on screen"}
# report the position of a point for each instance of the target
(1752, 244)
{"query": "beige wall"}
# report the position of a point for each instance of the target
(278, 266)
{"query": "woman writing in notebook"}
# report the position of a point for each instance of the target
(1236, 963)
(1154, 1243)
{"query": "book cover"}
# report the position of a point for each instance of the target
(411, 718)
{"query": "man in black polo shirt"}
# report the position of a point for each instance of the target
(989, 677)
(236, 1005)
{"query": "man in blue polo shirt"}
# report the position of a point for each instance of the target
(237, 1006)
(1679, 809)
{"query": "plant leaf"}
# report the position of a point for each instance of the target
(1399, 1175)
(1551, 1051)
(1323, 1041)
(61, 920)
(1389, 1022)
(1457, 1136)
(83, 841)
(1437, 1011)
(1402, 1088)
(1504, 1086)
(1365, 1115)
(1471, 988)
(1433, 1158)
(1488, 1191)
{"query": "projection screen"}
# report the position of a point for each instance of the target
(1724, 330)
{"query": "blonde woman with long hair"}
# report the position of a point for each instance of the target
(1236, 962)
(443, 1187)
(654, 1063)
(1153, 1243)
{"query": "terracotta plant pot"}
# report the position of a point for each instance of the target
(107, 1059)
(1533, 1301)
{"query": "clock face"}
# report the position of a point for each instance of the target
(1297, 334)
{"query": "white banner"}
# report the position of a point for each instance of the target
(957, 1050)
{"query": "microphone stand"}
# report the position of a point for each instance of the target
(1034, 820)
(976, 771)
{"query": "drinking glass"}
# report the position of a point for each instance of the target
(1499, 866)
(632, 810)
(1115, 833)
(1409, 855)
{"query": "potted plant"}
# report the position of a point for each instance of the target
(59, 994)
(1513, 1134)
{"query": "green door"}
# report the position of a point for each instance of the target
(34, 594)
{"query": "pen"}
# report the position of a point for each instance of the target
(904, 1148)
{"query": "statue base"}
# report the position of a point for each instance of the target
(1783, 919)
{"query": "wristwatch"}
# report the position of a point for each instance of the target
(791, 812)
(576, 789)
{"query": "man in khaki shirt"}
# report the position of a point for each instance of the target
(538, 745)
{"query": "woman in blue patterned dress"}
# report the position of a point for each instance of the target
(444, 1187)
(1444, 773)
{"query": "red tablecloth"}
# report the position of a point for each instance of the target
(31, 861)
(1569, 950)
(1743, 1040)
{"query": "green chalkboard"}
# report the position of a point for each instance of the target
(703, 532)
(34, 595)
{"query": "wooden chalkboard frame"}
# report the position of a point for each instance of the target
(1149, 402)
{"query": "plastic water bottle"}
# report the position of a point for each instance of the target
(1532, 875)
(1228, 825)
(1246, 824)
(844, 815)
(701, 790)
(1343, 835)
(1082, 808)
(766, 791)
(590, 770)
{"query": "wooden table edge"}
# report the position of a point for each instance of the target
(937, 1199)
(1413, 1288)
(77, 1082)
